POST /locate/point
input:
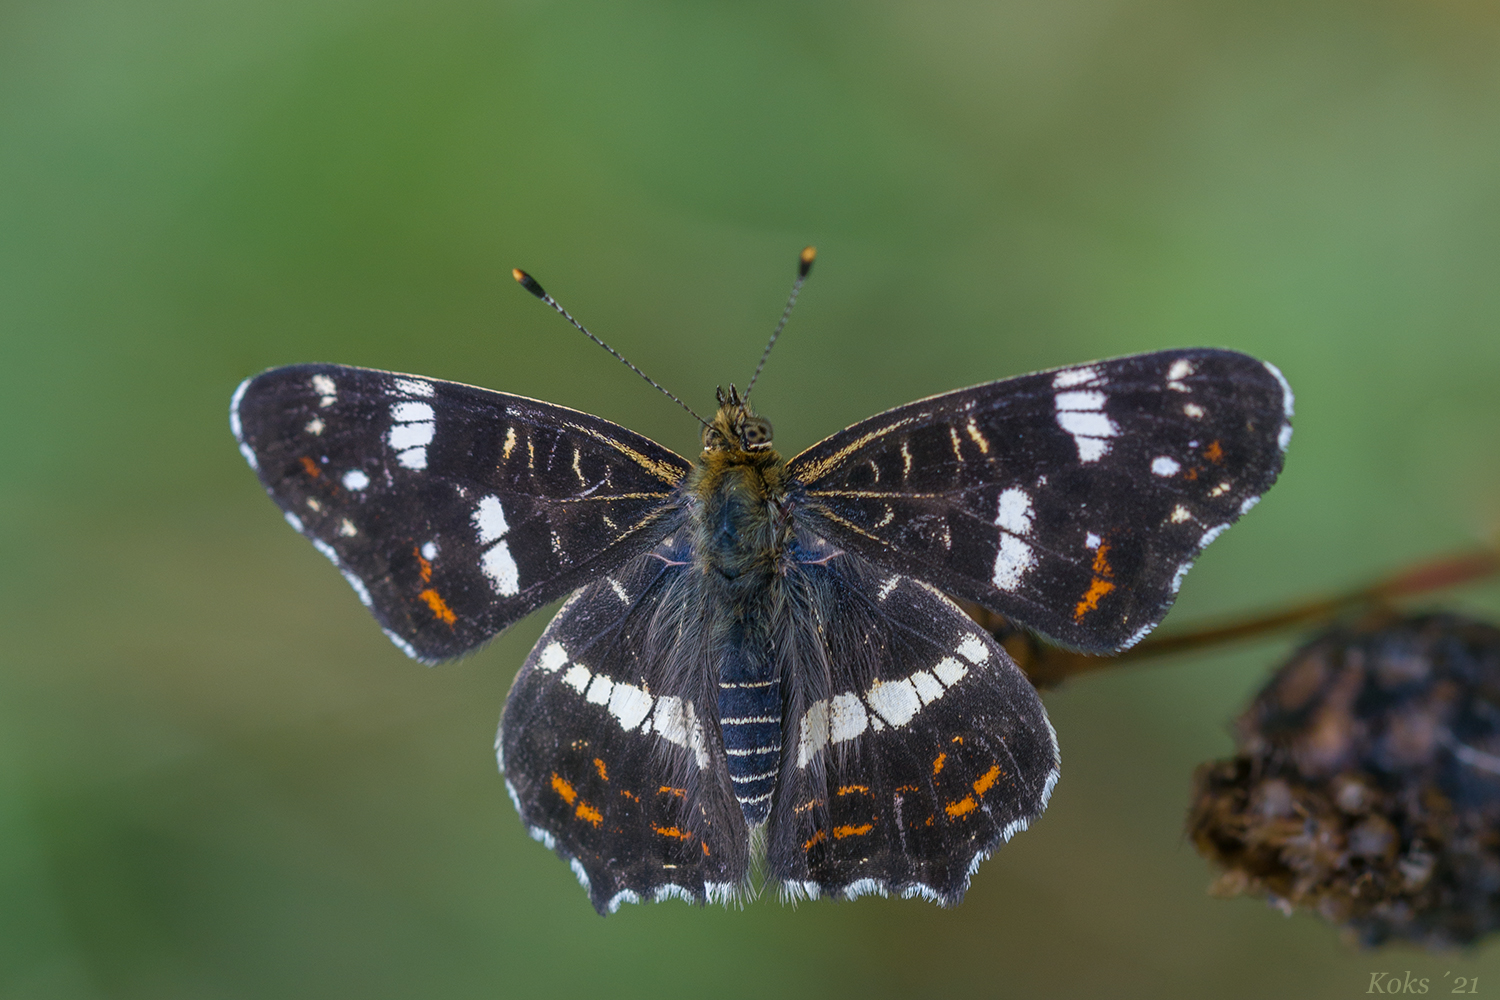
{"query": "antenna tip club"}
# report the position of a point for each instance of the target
(807, 257)
(527, 282)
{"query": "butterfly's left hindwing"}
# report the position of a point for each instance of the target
(453, 511)
(1071, 501)
(929, 749)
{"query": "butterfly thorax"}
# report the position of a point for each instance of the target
(739, 488)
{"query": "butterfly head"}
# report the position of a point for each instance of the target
(735, 427)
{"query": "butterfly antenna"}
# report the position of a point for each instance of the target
(530, 284)
(804, 265)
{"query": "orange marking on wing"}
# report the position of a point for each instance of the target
(599, 766)
(851, 789)
(957, 739)
(814, 840)
(1101, 561)
(630, 795)
(906, 788)
(561, 786)
(1214, 453)
(423, 566)
(439, 607)
(311, 467)
(987, 780)
(705, 848)
(929, 821)
(589, 814)
(937, 765)
(840, 832)
(679, 792)
(962, 807)
(1190, 474)
(804, 807)
(671, 831)
(1090, 601)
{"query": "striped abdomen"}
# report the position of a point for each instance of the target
(750, 718)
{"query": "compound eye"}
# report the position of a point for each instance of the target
(712, 440)
(756, 433)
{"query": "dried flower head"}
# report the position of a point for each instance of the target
(1367, 784)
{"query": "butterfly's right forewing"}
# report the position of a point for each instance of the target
(453, 511)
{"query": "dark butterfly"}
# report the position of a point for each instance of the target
(760, 664)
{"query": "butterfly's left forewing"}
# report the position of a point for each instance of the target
(1071, 501)
(453, 511)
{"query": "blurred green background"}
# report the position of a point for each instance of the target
(217, 778)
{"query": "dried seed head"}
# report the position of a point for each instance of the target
(1367, 784)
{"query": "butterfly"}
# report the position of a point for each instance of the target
(760, 674)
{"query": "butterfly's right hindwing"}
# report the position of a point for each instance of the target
(610, 741)
(453, 511)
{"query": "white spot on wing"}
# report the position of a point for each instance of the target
(552, 658)
(1080, 401)
(1081, 415)
(629, 704)
(413, 458)
(1163, 465)
(812, 733)
(315, 426)
(1284, 439)
(577, 677)
(1086, 423)
(1180, 515)
(1075, 376)
(355, 479)
(619, 590)
(1091, 541)
(1193, 410)
(323, 385)
(1014, 514)
(895, 701)
(413, 387)
(846, 718)
(293, 520)
(347, 528)
(675, 720)
(403, 436)
(500, 567)
(972, 649)
(408, 413)
(489, 519)
(950, 671)
(1181, 368)
(1091, 449)
(928, 688)
(888, 585)
(598, 692)
(1012, 561)
(429, 551)
(1249, 502)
